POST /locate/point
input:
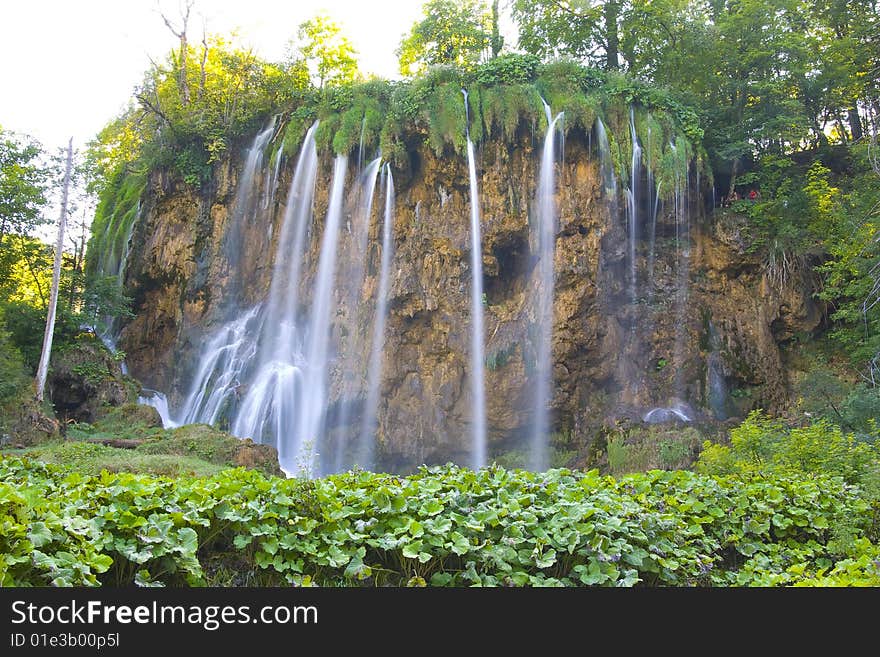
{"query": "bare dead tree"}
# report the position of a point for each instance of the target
(203, 73)
(43, 368)
(182, 84)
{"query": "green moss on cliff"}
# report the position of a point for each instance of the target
(115, 215)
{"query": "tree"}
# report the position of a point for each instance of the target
(580, 29)
(180, 64)
(43, 367)
(497, 39)
(452, 32)
(25, 177)
(328, 53)
(23, 184)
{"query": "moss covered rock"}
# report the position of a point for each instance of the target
(214, 446)
(85, 379)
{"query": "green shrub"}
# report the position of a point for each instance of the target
(441, 526)
(763, 445)
(507, 69)
(13, 374)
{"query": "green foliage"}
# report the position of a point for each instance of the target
(821, 393)
(115, 216)
(646, 448)
(510, 68)
(24, 178)
(442, 526)
(618, 457)
(451, 32)
(13, 375)
(546, 29)
(104, 301)
(762, 445)
(447, 118)
(327, 52)
(92, 459)
(852, 271)
(26, 324)
(505, 107)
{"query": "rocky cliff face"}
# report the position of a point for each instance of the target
(189, 269)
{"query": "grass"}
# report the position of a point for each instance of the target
(195, 450)
(650, 448)
(92, 458)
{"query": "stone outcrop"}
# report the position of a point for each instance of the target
(609, 356)
(85, 379)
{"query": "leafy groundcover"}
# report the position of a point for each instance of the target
(443, 526)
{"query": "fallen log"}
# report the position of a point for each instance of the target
(119, 443)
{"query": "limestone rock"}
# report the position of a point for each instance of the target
(186, 278)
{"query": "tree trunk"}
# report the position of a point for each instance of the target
(497, 40)
(855, 124)
(181, 63)
(612, 38)
(182, 83)
(203, 74)
(43, 368)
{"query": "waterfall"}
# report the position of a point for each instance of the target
(478, 358)
(228, 353)
(361, 142)
(683, 257)
(547, 219)
(367, 442)
(678, 408)
(717, 394)
(270, 186)
(268, 409)
(632, 195)
(158, 401)
(351, 280)
(609, 180)
(652, 245)
(301, 458)
(246, 207)
(224, 359)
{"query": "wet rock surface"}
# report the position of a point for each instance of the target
(607, 351)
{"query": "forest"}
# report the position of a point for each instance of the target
(250, 386)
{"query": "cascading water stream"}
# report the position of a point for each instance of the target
(365, 456)
(477, 374)
(223, 362)
(683, 258)
(679, 410)
(547, 220)
(352, 282)
(632, 196)
(268, 410)
(271, 184)
(229, 352)
(246, 207)
(159, 401)
(301, 457)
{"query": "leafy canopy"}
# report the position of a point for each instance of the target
(329, 54)
(451, 32)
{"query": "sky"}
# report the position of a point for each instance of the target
(68, 66)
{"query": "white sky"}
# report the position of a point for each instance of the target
(68, 66)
